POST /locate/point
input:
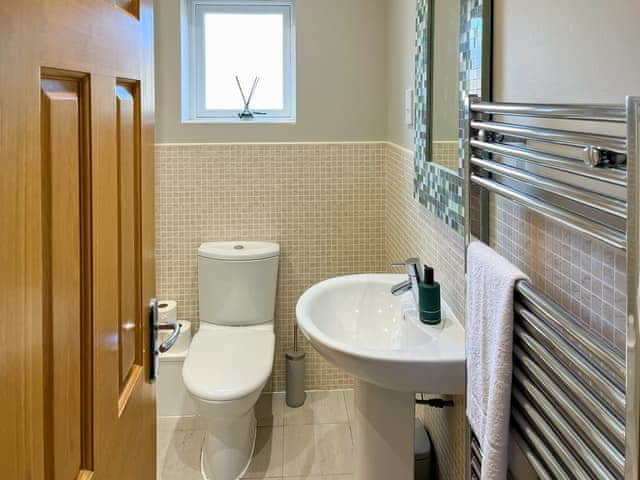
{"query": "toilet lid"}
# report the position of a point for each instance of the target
(229, 363)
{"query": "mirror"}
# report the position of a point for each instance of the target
(445, 65)
(453, 59)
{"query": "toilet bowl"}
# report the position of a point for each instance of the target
(231, 357)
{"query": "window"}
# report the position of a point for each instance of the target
(238, 61)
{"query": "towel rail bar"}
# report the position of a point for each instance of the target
(534, 439)
(555, 316)
(585, 197)
(594, 410)
(556, 438)
(568, 429)
(532, 458)
(574, 405)
(577, 222)
(611, 143)
(563, 413)
(587, 112)
(613, 176)
(574, 361)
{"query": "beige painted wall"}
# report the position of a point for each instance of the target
(341, 84)
(401, 49)
(575, 51)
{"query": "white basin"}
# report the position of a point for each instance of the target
(358, 325)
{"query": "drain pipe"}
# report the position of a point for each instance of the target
(433, 402)
(296, 395)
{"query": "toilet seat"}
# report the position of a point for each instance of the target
(226, 364)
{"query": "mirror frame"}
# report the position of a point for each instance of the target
(438, 188)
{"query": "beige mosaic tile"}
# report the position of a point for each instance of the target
(583, 275)
(322, 203)
(410, 230)
(348, 208)
(446, 154)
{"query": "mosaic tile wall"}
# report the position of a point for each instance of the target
(345, 208)
(446, 154)
(422, 99)
(583, 275)
(410, 230)
(322, 202)
(441, 190)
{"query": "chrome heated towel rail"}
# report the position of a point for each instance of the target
(574, 399)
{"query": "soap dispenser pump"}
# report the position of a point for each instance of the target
(429, 298)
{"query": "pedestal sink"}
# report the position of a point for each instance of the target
(358, 325)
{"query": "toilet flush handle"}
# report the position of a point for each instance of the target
(168, 343)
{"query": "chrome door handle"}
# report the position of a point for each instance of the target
(168, 343)
(153, 339)
(154, 350)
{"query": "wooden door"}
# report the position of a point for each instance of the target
(76, 239)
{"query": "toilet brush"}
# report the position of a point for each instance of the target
(295, 374)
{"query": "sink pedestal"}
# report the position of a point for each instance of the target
(358, 325)
(384, 432)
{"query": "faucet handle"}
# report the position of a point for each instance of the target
(408, 261)
(413, 267)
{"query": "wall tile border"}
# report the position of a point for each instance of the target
(437, 188)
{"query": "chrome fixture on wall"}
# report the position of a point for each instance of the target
(575, 401)
(413, 267)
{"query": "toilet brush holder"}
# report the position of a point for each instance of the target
(295, 379)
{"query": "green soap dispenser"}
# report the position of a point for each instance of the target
(429, 298)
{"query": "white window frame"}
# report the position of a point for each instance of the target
(193, 60)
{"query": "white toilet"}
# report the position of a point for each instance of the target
(231, 356)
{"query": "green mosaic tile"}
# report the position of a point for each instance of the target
(437, 188)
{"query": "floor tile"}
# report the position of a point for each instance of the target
(324, 449)
(179, 454)
(313, 442)
(268, 455)
(270, 409)
(180, 423)
(322, 477)
(320, 407)
(348, 400)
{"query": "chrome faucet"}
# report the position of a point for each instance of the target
(413, 270)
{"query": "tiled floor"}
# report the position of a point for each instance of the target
(313, 442)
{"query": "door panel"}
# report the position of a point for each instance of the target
(76, 229)
(63, 134)
(130, 317)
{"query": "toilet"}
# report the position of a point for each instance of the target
(231, 356)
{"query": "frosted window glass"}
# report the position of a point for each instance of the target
(249, 46)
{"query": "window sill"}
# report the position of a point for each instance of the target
(238, 121)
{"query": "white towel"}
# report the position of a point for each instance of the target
(489, 344)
